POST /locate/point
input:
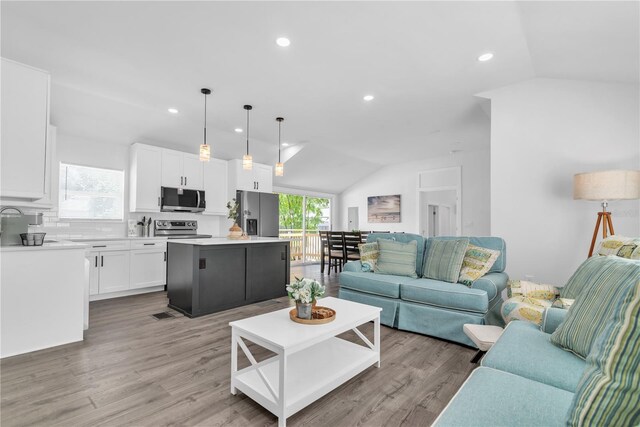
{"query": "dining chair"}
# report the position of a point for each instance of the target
(351, 241)
(324, 251)
(335, 248)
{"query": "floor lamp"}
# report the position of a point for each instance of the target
(603, 187)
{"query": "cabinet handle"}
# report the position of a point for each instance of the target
(165, 256)
(148, 244)
(185, 180)
(101, 261)
(99, 246)
(158, 201)
(96, 260)
(181, 179)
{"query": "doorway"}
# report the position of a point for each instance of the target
(439, 213)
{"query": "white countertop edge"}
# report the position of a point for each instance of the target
(226, 241)
(59, 245)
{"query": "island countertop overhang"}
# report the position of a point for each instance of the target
(225, 241)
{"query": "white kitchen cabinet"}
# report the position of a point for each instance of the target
(94, 272)
(181, 170)
(259, 178)
(148, 263)
(24, 123)
(145, 178)
(148, 267)
(114, 271)
(215, 178)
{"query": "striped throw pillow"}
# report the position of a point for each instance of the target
(607, 279)
(444, 260)
(608, 393)
(397, 258)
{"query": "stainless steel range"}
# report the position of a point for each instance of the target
(178, 229)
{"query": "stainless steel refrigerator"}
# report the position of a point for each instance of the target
(259, 213)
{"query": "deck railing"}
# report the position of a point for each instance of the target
(313, 245)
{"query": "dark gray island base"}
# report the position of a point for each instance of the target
(205, 276)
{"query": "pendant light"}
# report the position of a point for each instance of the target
(247, 160)
(205, 150)
(279, 166)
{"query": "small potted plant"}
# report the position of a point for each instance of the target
(235, 232)
(305, 292)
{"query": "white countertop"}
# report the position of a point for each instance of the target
(225, 241)
(114, 238)
(61, 244)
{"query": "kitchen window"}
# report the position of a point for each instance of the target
(88, 193)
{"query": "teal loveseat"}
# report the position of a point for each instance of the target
(427, 306)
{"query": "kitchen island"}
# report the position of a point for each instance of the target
(205, 276)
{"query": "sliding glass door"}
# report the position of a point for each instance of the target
(301, 217)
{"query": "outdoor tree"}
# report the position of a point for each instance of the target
(291, 211)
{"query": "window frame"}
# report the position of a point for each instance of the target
(91, 220)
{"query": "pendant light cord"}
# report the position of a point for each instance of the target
(205, 119)
(247, 132)
(279, 139)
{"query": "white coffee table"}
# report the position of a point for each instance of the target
(310, 360)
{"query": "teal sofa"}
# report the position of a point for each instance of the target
(533, 380)
(427, 306)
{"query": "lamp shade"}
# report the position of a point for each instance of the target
(607, 185)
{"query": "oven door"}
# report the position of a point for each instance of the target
(182, 200)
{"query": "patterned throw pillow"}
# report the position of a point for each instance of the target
(476, 263)
(532, 290)
(624, 247)
(608, 392)
(369, 256)
(523, 308)
(444, 260)
(397, 258)
(607, 280)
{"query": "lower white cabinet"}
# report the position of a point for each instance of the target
(117, 266)
(148, 268)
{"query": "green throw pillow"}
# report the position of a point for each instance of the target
(476, 263)
(369, 253)
(444, 260)
(608, 392)
(397, 258)
(606, 281)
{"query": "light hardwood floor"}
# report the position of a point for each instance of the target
(132, 369)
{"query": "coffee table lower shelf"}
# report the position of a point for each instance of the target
(309, 374)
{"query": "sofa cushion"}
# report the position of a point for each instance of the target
(494, 398)
(403, 238)
(477, 262)
(495, 243)
(444, 259)
(370, 283)
(524, 350)
(608, 394)
(397, 258)
(447, 295)
(606, 281)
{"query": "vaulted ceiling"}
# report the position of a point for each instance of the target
(117, 66)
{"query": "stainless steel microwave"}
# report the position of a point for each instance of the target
(182, 200)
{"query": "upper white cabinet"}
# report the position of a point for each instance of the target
(145, 178)
(153, 167)
(24, 122)
(181, 170)
(215, 186)
(259, 178)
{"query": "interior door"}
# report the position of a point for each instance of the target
(352, 216)
(172, 169)
(192, 172)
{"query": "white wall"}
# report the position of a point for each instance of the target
(543, 131)
(75, 150)
(403, 179)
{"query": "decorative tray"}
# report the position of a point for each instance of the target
(319, 315)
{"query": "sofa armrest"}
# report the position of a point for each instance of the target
(552, 318)
(352, 266)
(492, 283)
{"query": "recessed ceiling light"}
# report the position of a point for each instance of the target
(285, 144)
(485, 57)
(172, 111)
(368, 97)
(238, 130)
(283, 41)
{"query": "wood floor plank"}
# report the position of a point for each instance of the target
(132, 369)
